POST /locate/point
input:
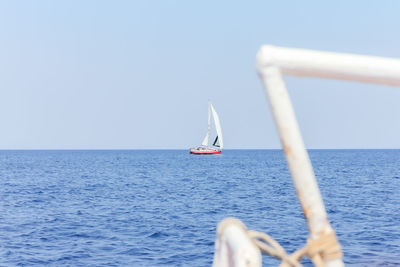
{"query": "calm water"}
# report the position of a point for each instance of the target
(161, 208)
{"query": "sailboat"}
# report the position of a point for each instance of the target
(218, 144)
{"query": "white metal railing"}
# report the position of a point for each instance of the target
(272, 63)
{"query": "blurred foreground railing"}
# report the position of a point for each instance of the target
(235, 245)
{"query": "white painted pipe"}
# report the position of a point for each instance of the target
(294, 149)
(272, 63)
(302, 62)
(233, 247)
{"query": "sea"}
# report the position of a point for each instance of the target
(162, 207)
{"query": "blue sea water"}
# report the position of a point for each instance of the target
(161, 207)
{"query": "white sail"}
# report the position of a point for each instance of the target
(207, 137)
(217, 127)
(205, 140)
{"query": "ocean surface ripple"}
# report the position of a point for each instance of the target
(161, 207)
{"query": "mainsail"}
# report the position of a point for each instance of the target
(217, 127)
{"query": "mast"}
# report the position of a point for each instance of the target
(207, 137)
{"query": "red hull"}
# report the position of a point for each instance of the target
(204, 151)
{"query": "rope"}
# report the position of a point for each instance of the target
(324, 247)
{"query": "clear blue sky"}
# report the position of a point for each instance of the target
(138, 74)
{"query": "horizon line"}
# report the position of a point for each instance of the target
(132, 149)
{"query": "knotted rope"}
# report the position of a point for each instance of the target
(325, 247)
